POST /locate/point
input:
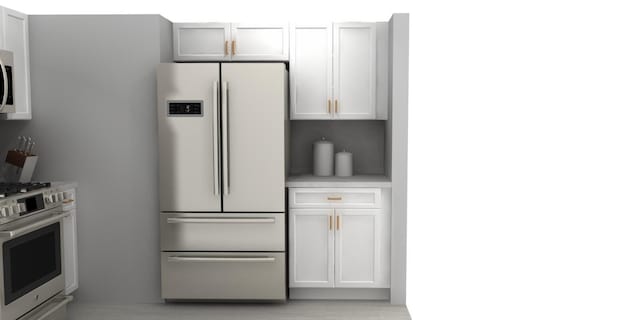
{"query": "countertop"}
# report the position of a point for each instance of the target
(358, 181)
(64, 184)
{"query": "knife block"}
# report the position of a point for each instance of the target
(20, 166)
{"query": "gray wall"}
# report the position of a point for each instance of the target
(93, 90)
(364, 138)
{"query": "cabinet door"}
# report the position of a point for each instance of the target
(358, 248)
(70, 250)
(260, 42)
(354, 70)
(311, 257)
(201, 41)
(310, 67)
(15, 27)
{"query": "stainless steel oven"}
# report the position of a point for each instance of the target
(6, 82)
(31, 267)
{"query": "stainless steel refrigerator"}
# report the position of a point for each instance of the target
(221, 130)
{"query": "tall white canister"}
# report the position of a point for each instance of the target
(323, 158)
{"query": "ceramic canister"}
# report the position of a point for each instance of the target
(344, 164)
(323, 158)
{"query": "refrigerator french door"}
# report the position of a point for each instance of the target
(221, 180)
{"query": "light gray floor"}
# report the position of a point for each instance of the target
(298, 310)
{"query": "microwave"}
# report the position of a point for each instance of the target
(6, 82)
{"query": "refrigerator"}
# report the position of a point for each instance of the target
(221, 135)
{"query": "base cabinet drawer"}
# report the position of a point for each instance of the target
(223, 275)
(369, 198)
(222, 232)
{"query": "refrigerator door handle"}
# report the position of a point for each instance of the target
(225, 131)
(216, 157)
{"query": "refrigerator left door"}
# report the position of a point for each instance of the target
(189, 137)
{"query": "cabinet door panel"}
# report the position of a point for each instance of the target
(310, 65)
(354, 70)
(311, 257)
(357, 247)
(260, 42)
(201, 41)
(16, 39)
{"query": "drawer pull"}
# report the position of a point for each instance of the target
(220, 259)
(334, 198)
(221, 220)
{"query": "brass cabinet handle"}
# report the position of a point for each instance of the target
(334, 198)
(328, 105)
(330, 222)
(338, 223)
(226, 47)
(233, 47)
(336, 105)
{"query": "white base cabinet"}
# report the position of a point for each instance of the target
(14, 37)
(338, 247)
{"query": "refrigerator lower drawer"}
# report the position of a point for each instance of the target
(222, 231)
(223, 275)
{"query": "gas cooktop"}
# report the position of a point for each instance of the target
(8, 189)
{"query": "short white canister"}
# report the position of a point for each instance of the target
(344, 164)
(323, 158)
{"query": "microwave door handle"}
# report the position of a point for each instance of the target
(5, 85)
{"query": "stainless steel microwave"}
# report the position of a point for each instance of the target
(6, 82)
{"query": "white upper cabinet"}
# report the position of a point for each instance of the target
(259, 42)
(354, 70)
(14, 37)
(333, 71)
(310, 72)
(201, 41)
(230, 42)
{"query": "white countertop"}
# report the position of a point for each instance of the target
(64, 184)
(358, 181)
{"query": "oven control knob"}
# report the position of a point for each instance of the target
(4, 211)
(60, 196)
(23, 207)
(16, 209)
(66, 195)
(48, 199)
(54, 198)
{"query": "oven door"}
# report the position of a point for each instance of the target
(31, 268)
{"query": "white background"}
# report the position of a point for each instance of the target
(524, 151)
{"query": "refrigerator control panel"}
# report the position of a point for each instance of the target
(185, 108)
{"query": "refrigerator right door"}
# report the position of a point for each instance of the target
(253, 136)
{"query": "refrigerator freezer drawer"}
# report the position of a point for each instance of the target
(222, 231)
(223, 275)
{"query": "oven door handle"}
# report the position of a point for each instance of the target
(54, 305)
(36, 225)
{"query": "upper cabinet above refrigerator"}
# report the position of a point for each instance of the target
(334, 71)
(230, 42)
